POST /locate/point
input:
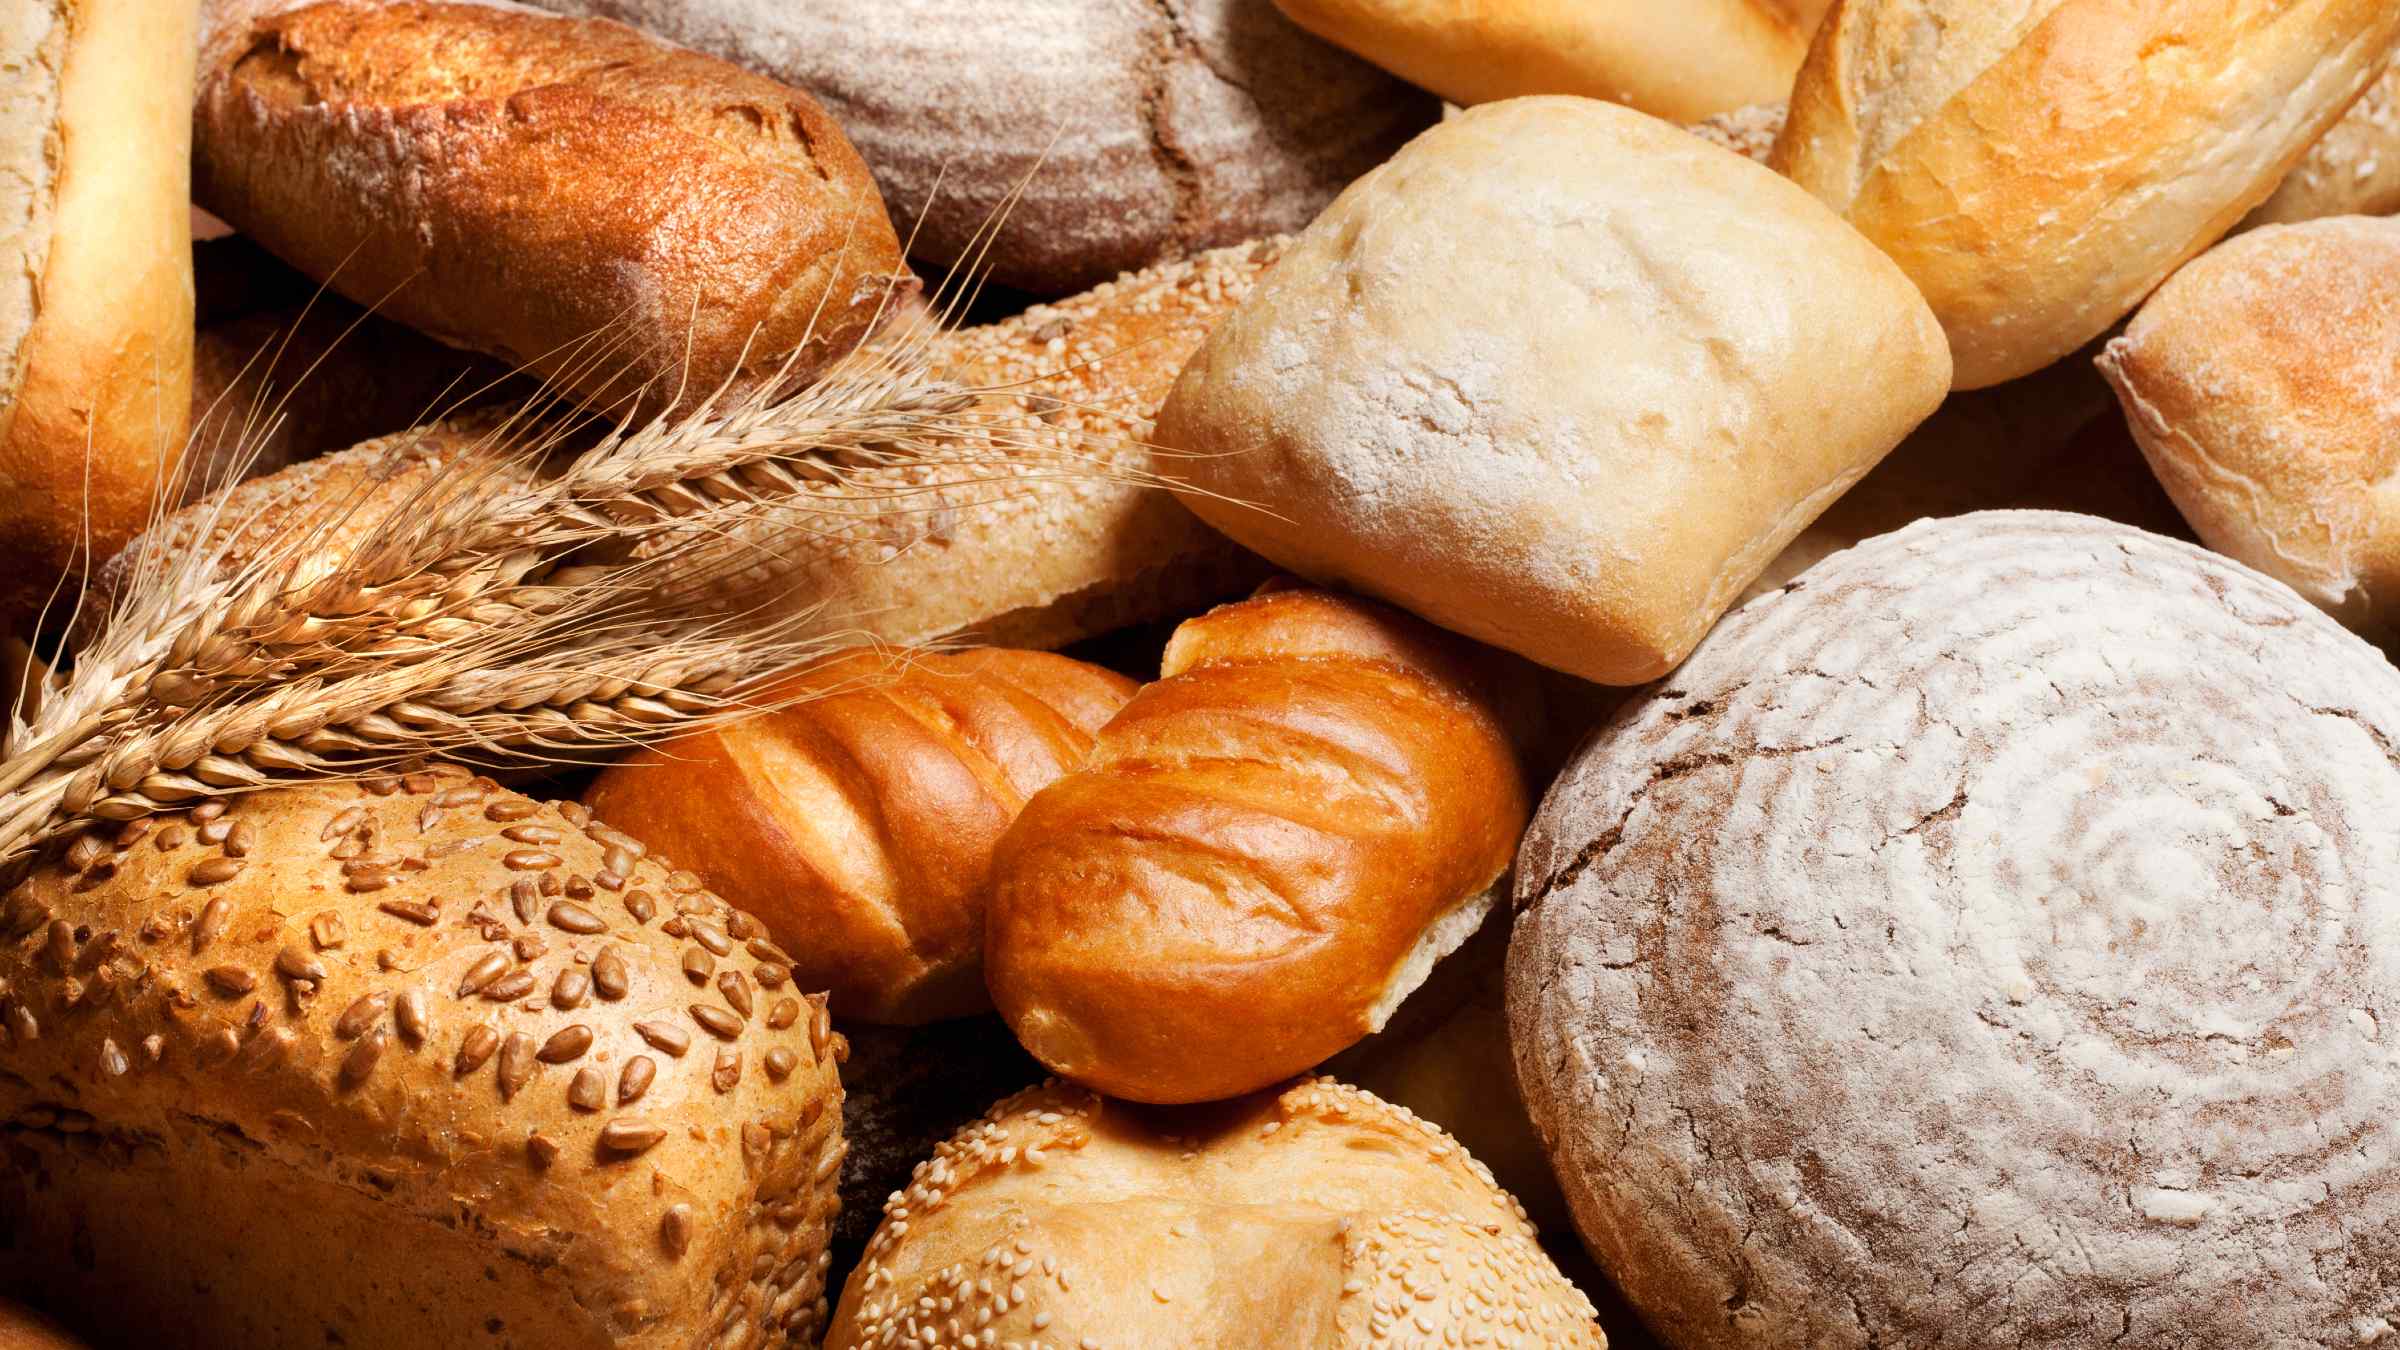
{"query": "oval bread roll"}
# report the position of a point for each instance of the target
(619, 215)
(1266, 851)
(2353, 170)
(1314, 1215)
(2038, 166)
(409, 1062)
(1678, 59)
(859, 824)
(95, 281)
(1559, 377)
(2263, 383)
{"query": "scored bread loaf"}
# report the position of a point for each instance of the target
(858, 822)
(1056, 143)
(408, 1062)
(1265, 852)
(2352, 170)
(2038, 166)
(1314, 1215)
(622, 216)
(95, 280)
(2263, 383)
(1684, 60)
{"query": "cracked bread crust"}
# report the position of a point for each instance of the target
(1983, 941)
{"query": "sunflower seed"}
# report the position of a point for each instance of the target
(665, 1036)
(608, 975)
(516, 1063)
(356, 1018)
(589, 1091)
(716, 1021)
(478, 1046)
(482, 973)
(631, 1135)
(635, 1080)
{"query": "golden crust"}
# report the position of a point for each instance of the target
(1314, 1214)
(411, 1029)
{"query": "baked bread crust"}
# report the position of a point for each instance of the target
(858, 823)
(2038, 166)
(1310, 1215)
(1102, 136)
(1983, 942)
(1266, 850)
(2352, 170)
(457, 1066)
(622, 216)
(2263, 383)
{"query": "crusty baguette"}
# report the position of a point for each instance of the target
(95, 279)
(1312, 1216)
(1265, 852)
(2353, 170)
(618, 214)
(858, 823)
(2038, 166)
(2263, 382)
(407, 1063)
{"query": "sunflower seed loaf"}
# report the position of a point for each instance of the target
(404, 1062)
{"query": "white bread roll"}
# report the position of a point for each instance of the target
(1681, 59)
(1312, 1215)
(95, 278)
(2038, 166)
(2353, 171)
(1559, 377)
(2263, 382)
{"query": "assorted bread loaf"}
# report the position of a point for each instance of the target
(1265, 851)
(629, 219)
(1056, 143)
(1309, 1215)
(858, 824)
(409, 1062)
(95, 282)
(2038, 166)
(1555, 377)
(2263, 382)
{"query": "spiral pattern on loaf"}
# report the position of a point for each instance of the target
(1988, 939)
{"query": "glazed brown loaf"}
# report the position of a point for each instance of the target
(615, 213)
(406, 1063)
(1266, 850)
(859, 824)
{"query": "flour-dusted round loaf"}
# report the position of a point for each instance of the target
(1992, 939)
(1560, 377)
(1137, 130)
(407, 1062)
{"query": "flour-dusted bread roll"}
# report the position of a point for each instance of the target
(2263, 382)
(409, 1062)
(623, 216)
(1680, 59)
(1312, 1215)
(2038, 166)
(95, 280)
(858, 822)
(1135, 132)
(2353, 170)
(1559, 377)
(1989, 941)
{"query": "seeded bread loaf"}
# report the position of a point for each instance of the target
(95, 280)
(1313, 1215)
(1100, 136)
(620, 215)
(2038, 166)
(408, 1062)
(1265, 852)
(858, 823)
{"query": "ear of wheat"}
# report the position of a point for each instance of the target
(499, 613)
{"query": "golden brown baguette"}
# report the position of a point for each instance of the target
(95, 280)
(1265, 852)
(569, 195)
(859, 824)
(1312, 1216)
(457, 1067)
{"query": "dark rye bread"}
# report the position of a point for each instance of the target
(616, 213)
(403, 1063)
(1985, 941)
(1139, 129)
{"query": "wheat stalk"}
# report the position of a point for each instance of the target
(498, 614)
